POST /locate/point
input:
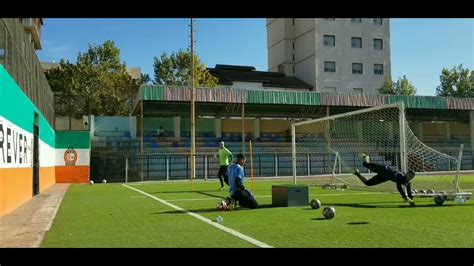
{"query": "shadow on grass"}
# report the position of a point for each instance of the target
(319, 219)
(211, 194)
(391, 206)
(182, 191)
(357, 223)
(203, 192)
(214, 210)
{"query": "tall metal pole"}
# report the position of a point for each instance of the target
(293, 151)
(243, 123)
(193, 129)
(141, 140)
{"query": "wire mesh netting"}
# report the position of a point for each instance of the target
(376, 132)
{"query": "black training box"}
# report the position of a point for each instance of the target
(289, 195)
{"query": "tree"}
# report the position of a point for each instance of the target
(145, 79)
(401, 87)
(387, 87)
(404, 87)
(457, 82)
(175, 69)
(98, 77)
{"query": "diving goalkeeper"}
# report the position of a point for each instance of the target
(386, 173)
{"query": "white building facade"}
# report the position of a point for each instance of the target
(341, 55)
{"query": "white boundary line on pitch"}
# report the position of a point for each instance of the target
(203, 219)
(269, 196)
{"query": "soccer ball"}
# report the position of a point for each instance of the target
(104, 181)
(439, 200)
(329, 212)
(222, 205)
(315, 204)
(421, 191)
(91, 182)
(414, 191)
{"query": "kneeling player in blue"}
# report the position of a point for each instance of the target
(386, 173)
(238, 193)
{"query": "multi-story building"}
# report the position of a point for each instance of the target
(342, 55)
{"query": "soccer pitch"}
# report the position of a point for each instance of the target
(172, 215)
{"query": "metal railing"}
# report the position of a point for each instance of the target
(19, 59)
(115, 168)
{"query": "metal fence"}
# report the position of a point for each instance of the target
(71, 107)
(127, 168)
(19, 58)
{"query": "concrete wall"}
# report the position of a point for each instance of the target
(235, 125)
(274, 126)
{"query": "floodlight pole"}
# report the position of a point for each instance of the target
(243, 122)
(293, 151)
(141, 140)
(193, 125)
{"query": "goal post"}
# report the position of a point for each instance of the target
(383, 133)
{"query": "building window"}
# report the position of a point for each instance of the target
(329, 40)
(329, 66)
(356, 42)
(332, 19)
(329, 89)
(293, 57)
(377, 21)
(378, 69)
(378, 44)
(357, 68)
(294, 70)
(356, 20)
(293, 21)
(293, 45)
(358, 90)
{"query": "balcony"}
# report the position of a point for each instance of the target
(33, 26)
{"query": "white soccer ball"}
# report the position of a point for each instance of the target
(315, 204)
(104, 181)
(91, 182)
(329, 212)
(222, 205)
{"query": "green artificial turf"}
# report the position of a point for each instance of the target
(111, 215)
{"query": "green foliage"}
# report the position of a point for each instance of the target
(175, 69)
(387, 87)
(401, 87)
(457, 82)
(98, 79)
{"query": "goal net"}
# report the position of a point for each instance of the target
(327, 150)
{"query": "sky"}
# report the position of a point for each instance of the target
(420, 48)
